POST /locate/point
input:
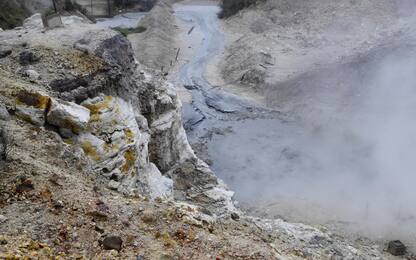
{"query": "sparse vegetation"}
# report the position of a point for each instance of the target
(71, 6)
(145, 5)
(12, 14)
(231, 7)
(127, 31)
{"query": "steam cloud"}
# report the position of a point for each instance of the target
(350, 157)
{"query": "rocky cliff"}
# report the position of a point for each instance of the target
(96, 112)
(126, 122)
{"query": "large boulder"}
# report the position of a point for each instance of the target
(33, 22)
(69, 117)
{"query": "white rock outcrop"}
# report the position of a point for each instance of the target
(118, 149)
(33, 22)
(69, 117)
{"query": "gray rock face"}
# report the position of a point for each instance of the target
(169, 144)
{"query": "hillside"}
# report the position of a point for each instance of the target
(276, 41)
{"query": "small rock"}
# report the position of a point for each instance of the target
(33, 75)
(112, 242)
(58, 204)
(98, 215)
(235, 216)
(140, 257)
(113, 185)
(27, 57)
(4, 114)
(396, 248)
(55, 179)
(25, 186)
(3, 240)
(99, 229)
(5, 53)
(3, 219)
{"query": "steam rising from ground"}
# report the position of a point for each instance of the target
(350, 154)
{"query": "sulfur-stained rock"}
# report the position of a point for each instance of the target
(31, 106)
(92, 146)
(69, 117)
(114, 143)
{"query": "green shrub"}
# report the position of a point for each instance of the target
(11, 14)
(69, 6)
(127, 31)
(231, 7)
(146, 5)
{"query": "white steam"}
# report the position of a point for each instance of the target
(349, 161)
